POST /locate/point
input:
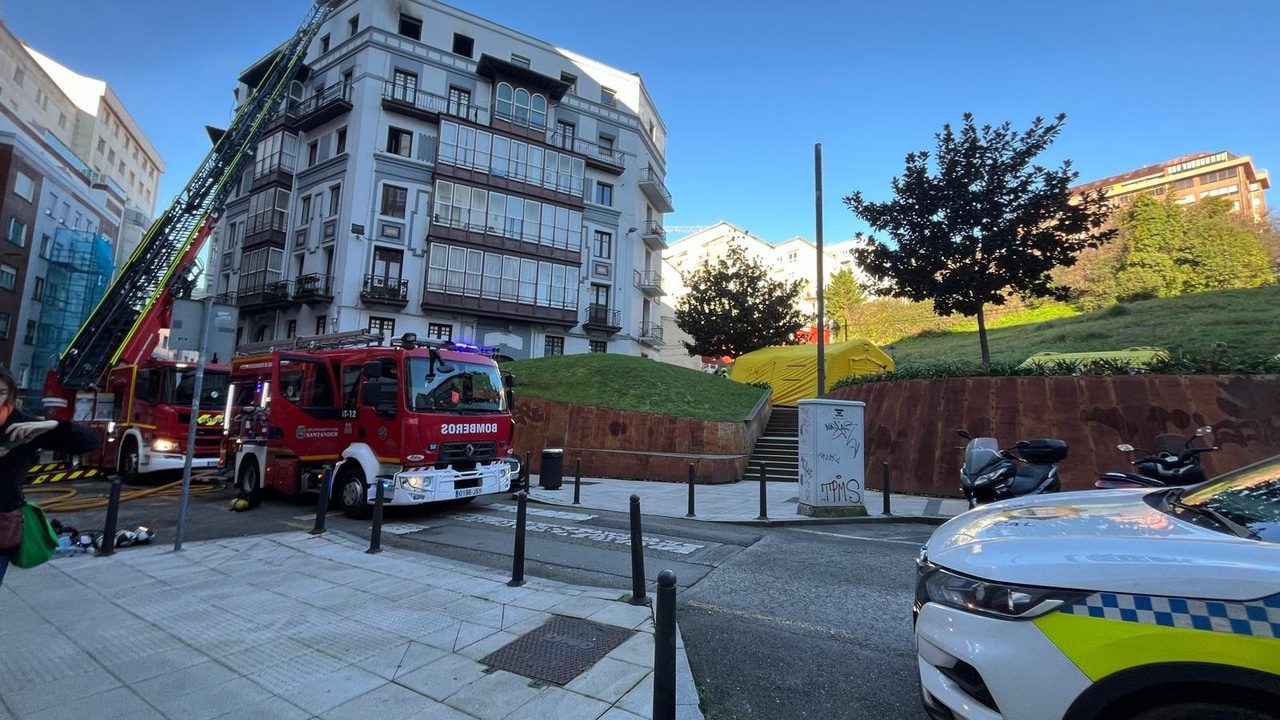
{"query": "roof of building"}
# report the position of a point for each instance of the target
(1150, 170)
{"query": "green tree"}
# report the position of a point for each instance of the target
(980, 223)
(841, 298)
(733, 307)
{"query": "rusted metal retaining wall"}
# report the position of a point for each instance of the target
(911, 424)
(636, 446)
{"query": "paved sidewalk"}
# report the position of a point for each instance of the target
(294, 626)
(734, 502)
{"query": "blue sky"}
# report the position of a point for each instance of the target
(746, 91)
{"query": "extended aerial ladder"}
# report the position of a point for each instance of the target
(124, 326)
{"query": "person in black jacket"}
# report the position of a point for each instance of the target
(22, 437)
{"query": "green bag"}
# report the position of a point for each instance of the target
(39, 541)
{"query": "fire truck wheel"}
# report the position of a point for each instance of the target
(353, 492)
(128, 464)
(249, 481)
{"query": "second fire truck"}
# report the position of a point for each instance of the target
(430, 421)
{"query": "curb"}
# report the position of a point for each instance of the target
(771, 522)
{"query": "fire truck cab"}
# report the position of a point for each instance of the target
(431, 421)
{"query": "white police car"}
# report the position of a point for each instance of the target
(1124, 604)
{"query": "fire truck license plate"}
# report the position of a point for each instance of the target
(468, 492)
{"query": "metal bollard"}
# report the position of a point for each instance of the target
(108, 545)
(692, 478)
(637, 555)
(322, 507)
(577, 482)
(517, 557)
(375, 536)
(885, 490)
(764, 496)
(664, 649)
(528, 458)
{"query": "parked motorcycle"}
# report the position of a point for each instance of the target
(1175, 462)
(990, 474)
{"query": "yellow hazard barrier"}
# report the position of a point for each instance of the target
(80, 474)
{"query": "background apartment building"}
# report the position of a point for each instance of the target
(793, 259)
(437, 173)
(1191, 178)
(63, 212)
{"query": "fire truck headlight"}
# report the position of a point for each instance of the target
(164, 445)
(418, 482)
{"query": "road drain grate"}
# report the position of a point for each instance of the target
(559, 650)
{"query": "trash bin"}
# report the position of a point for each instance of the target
(551, 475)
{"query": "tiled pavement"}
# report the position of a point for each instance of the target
(733, 502)
(295, 626)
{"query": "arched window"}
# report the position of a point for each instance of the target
(539, 115)
(522, 106)
(504, 100)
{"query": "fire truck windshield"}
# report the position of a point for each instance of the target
(471, 387)
(180, 385)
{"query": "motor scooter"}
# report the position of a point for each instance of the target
(990, 474)
(1175, 462)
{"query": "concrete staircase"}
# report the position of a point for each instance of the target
(778, 448)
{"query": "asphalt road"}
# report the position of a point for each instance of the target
(779, 623)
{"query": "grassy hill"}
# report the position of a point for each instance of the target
(633, 383)
(1248, 321)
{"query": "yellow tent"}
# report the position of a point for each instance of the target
(1137, 356)
(792, 370)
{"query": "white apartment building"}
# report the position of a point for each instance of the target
(437, 173)
(793, 259)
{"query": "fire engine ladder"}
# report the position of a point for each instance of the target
(331, 341)
(163, 258)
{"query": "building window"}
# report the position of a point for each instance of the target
(260, 267)
(384, 326)
(400, 141)
(102, 145)
(439, 331)
(17, 232)
(563, 136)
(313, 152)
(393, 201)
(1184, 184)
(521, 60)
(553, 345)
(404, 86)
(600, 295)
(4, 326)
(304, 213)
(291, 329)
(24, 187)
(604, 245)
(37, 291)
(387, 263)
(599, 346)
(46, 243)
(608, 96)
(335, 197)
(8, 277)
(321, 322)
(353, 25)
(340, 146)
(30, 337)
(19, 75)
(606, 145)
(324, 44)
(459, 101)
(571, 80)
(463, 45)
(604, 194)
(410, 27)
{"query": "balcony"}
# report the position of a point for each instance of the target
(652, 187)
(334, 101)
(313, 288)
(598, 156)
(649, 282)
(385, 290)
(415, 103)
(277, 294)
(271, 295)
(651, 334)
(603, 318)
(654, 236)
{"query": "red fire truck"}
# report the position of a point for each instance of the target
(117, 372)
(430, 420)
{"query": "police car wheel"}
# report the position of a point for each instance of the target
(353, 490)
(1203, 711)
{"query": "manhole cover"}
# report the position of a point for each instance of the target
(558, 651)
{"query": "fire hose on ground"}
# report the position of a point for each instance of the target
(68, 500)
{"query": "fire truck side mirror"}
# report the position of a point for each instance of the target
(509, 380)
(372, 369)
